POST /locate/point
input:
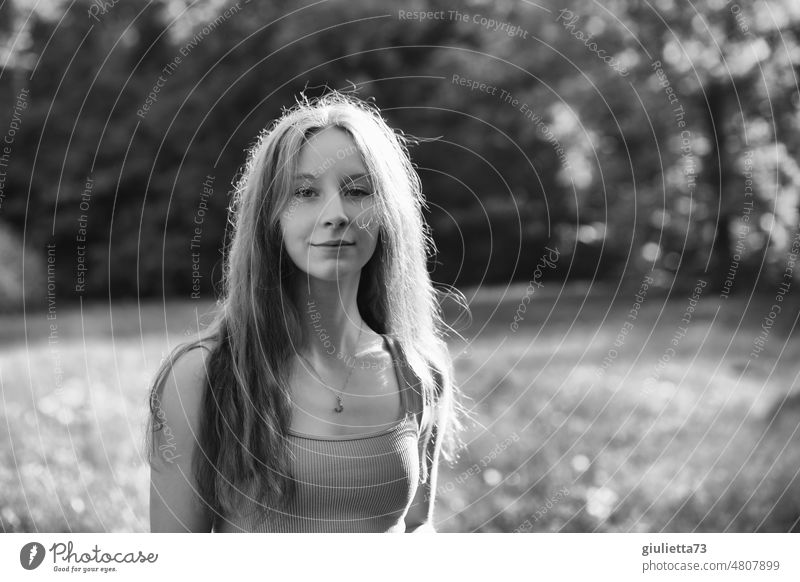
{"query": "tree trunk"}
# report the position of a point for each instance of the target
(716, 175)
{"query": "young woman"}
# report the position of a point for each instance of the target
(321, 396)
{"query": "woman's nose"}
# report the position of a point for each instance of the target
(333, 212)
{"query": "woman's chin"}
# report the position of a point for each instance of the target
(333, 274)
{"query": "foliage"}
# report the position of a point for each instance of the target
(596, 167)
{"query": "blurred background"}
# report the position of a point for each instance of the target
(614, 187)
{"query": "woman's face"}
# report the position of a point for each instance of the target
(329, 226)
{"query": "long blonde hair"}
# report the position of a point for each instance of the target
(246, 410)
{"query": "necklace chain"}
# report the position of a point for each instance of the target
(339, 393)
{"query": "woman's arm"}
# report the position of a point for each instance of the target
(419, 518)
(174, 503)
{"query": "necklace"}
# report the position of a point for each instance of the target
(339, 393)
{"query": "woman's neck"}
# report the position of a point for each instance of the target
(330, 317)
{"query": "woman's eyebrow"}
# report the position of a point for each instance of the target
(348, 178)
(355, 177)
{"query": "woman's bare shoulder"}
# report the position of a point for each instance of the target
(178, 405)
(174, 505)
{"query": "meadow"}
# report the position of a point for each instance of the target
(680, 430)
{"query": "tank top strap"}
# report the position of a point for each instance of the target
(410, 391)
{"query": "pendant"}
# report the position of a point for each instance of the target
(340, 407)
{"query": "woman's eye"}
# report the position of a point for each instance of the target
(304, 192)
(358, 192)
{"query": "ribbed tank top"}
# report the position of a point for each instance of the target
(346, 484)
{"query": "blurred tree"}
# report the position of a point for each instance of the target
(720, 60)
(566, 150)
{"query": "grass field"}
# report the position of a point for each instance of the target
(677, 433)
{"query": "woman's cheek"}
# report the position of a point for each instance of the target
(368, 223)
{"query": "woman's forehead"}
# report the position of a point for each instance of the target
(329, 148)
